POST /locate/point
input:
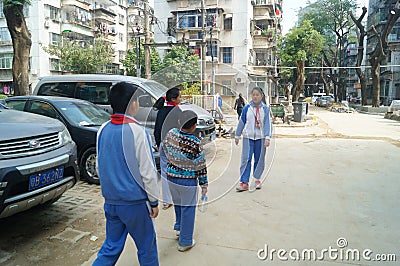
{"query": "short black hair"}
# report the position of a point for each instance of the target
(188, 118)
(121, 94)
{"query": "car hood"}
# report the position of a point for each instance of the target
(201, 113)
(17, 124)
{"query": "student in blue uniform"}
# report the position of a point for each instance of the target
(128, 180)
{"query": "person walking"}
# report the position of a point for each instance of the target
(186, 170)
(256, 127)
(167, 118)
(239, 104)
(128, 179)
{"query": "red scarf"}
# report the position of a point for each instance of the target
(119, 119)
(172, 104)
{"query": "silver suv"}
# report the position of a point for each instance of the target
(37, 161)
(96, 89)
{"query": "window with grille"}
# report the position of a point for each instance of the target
(227, 55)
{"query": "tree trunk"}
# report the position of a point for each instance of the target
(300, 79)
(361, 33)
(376, 84)
(21, 40)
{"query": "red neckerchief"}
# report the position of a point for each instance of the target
(172, 104)
(119, 119)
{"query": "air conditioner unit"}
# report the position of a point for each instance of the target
(171, 39)
(257, 32)
(46, 23)
(240, 80)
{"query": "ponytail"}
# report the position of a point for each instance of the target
(169, 95)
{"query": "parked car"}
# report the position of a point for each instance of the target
(394, 106)
(82, 119)
(37, 161)
(324, 101)
(96, 89)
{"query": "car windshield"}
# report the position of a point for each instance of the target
(82, 113)
(155, 88)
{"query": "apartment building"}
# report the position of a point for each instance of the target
(240, 39)
(378, 13)
(50, 21)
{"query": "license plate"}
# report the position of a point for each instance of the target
(45, 178)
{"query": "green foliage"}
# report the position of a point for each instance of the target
(191, 89)
(179, 66)
(3, 96)
(10, 3)
(330, 17)
(82, 60)
(131, 55)
(302, 44)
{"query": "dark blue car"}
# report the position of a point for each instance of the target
(82, 119)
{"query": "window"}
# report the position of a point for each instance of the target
(6, 61)
(5, 35)
(228, 22)
(55, 38)
(121, 19)
(16, 104)
(1, 8)
(121, 37)
(42, 108)
(226, 87)
(54, 13)
(227, 54)
(55, 64)
(214, 49)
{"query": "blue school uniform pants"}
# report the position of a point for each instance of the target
(184, 197)
(252, 147)
(132, 219)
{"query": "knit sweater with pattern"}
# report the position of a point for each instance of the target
(186, 157)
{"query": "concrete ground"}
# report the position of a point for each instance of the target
(330, 184)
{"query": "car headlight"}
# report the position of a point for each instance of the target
(65, 137)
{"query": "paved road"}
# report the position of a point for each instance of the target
(335, 179)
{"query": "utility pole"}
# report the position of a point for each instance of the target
(203, 48)
(147, 40)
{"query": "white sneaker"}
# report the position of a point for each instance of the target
(184, 248)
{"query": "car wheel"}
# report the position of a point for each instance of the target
(88, 166)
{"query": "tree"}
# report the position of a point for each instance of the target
(130, 61)
(21, 40)
(300, 46)
(82, 59)
(361, 33)
(379, 53)
(179, 66)
(331, 18)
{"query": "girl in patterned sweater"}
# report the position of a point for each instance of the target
(186, 170)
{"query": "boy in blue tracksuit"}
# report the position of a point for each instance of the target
(128, 180)
(256, 128)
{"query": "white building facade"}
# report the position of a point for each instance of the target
(241, 40)
(49, 21)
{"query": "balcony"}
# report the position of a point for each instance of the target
(262, 43)
(104, 15)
